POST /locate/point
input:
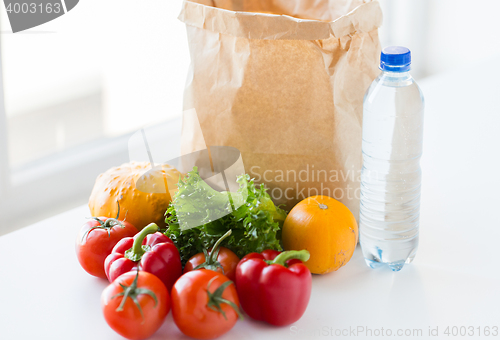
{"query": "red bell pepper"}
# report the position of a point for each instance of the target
(150, 251)
(274, 287)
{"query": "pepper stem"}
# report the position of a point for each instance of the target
(135, 253)
(302, 255)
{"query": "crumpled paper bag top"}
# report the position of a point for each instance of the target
(283, 19)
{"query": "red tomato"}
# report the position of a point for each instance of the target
(205, 304)
(225, 259)
(96, 240)
(137, 319)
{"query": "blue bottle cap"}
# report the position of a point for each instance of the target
(395, 59)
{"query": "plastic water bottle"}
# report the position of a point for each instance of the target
(393, 112)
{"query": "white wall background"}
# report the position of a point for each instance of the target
(443, 34)
(136, 52)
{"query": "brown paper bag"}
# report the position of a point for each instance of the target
(283, 81)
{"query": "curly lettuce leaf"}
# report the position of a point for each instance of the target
(255, 224)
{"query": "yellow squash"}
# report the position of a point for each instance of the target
(142, 192)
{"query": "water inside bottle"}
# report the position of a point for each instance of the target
(391, 175)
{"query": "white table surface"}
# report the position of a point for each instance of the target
(454, 280)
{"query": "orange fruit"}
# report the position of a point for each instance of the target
(326, 228)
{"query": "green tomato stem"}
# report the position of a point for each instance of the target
(135, 253)
(281, 259)
(132, 292)
(214, 251)
(215, 299)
